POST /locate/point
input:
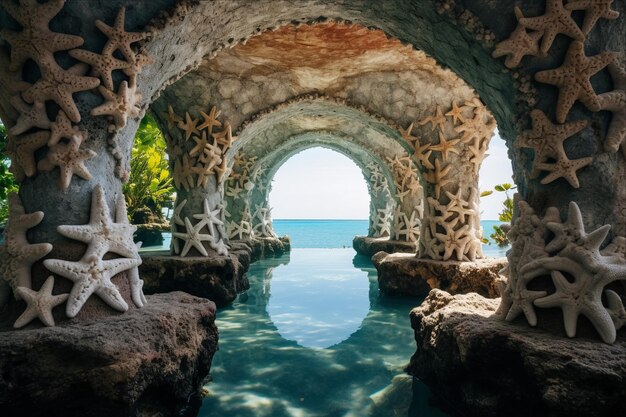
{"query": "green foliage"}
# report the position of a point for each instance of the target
(149, 188)
(7, 182)
(506, 215)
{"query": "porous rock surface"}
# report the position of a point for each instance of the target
(147, 362)
(369, 246)
(405, 274)
(268, 247)
(484, 366)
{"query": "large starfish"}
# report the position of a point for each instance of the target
(436, 120)
(29, 116)
(189, 126)
(547, 138)
(193, 238)
(39, 304)
(92, 275)
(519, 44)
(446, 146)
(119, 106)
(438, 176)
(615, 102)
(101, 65)
(102, 233)
(22, 151)
(119, 39)
(62, 128)
(422, 154)
(555, 20)
(594, 10)
(573, 79)
(564, 168)
(210, 218)
(36, 41)
(456, 113)
(201, 144)
(70, 159)
(210, 120)
(454, 241)
(224, 138)
(409, 227)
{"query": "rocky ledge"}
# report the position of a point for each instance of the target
(405, 274)
(483, 366)
(146, 362)
(218, 278)
(369, 246)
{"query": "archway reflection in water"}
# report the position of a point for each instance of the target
(260, 372)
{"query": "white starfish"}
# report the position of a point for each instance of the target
(39, 304)
(383, 221)
(101, 233)
(263, 227)
(177, 220)
(238, 230)
(92, 275)
(209, 218)
(454, 241)
(193, 238)
(234, 191)
(410, 228)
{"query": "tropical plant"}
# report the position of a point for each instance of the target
(7, 182)
(149, 188)
(506, 215)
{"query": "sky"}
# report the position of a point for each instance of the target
(323, 184)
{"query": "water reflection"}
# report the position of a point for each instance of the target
(264, 367)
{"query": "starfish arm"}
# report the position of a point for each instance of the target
(109, 293)
(601, 320)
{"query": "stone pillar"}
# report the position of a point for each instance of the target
(409, 196)
(382, 201)
(243, 180)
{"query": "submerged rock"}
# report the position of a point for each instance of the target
(404, 274)
(369, 246)
(484, 366)
(147, 362)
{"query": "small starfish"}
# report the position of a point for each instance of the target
(102, 234)
(573, 79)
(101, 65)
(519, 44)
(234, 191)
(193, 238)
(564, 168)
(430, 247)
(459, 205)
(422, 154)
(119, 106)
(172, 118)
(39, 304)
(119, 39)
(478, 149)
(221, 171)
(22, 150)
(238, 230)
(225, 137)
(454, 241)
(410, 228)
(190, 126)
(456, 113)
(555, 20)
(594, 10)
(29, 116)
(438, 177)
(201, 144)
(70, 160)
(209, 218)
(92, 275)
(522, 301)
(445, 146)
(62, 128)
(438, 119)
(210, 120)
(615, 102)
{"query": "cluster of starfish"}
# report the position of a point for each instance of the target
(382, 221)
(206, 157)
(206, 229)
(262, 222)
(376, 179)
(404, 177)
(549, 247)
(407, 228)
(239, 181)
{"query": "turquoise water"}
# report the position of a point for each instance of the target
(313, 337)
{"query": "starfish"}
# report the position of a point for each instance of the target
(445, 146)
(119, 39)
(92, 275)
(615, 101)
(101, 65)
(519, 44)
(62, 128)
(555, 20)
(410, 228)
(29, 116)
(422, 154)
(522, 301)
(102, 234)
(36, 41)
(210, 120)
(564, 168)
(190, 126)
(70, 160)
(594, 10)
(454, 241)
(383, 221)
(22, 254)
(459, 205)
(547, 138)
(58, 85)
(238, 230)
(193, 238)
(456, 113)
(408, 136)
(430, 247)
(142, 59)
(234, 191)
(201, 144)
(172, 118)
(478, 149)
(209, 218)
(136, 284)
(438, 177)
(438, 119)
(22, 150)
(177, 220)
(119, 106)
(225, 137)
(39, 304)
(573, 79)
(221, 171)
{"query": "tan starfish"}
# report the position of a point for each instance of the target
(564, 168)
(436, 120)
(36, 41)
(171, 117)
(459, 205)
(70, 159)
(456, 113)
(62, 128)
(546, 138)
(438, 176)
(101, 65)
(446, 146)
(225, 137)
(454, 242)
(210, 120)
(119, 39)
(519, 44)
(22, 150)
(615, 101)
(189, 126)
(573, 79)
(408, 135)
(422, 154)
(29, 116)
(201, 144)
(142, 59)
(39, 304)
(119, 106)
(594, 10)
(222, 171)
(555, 20)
